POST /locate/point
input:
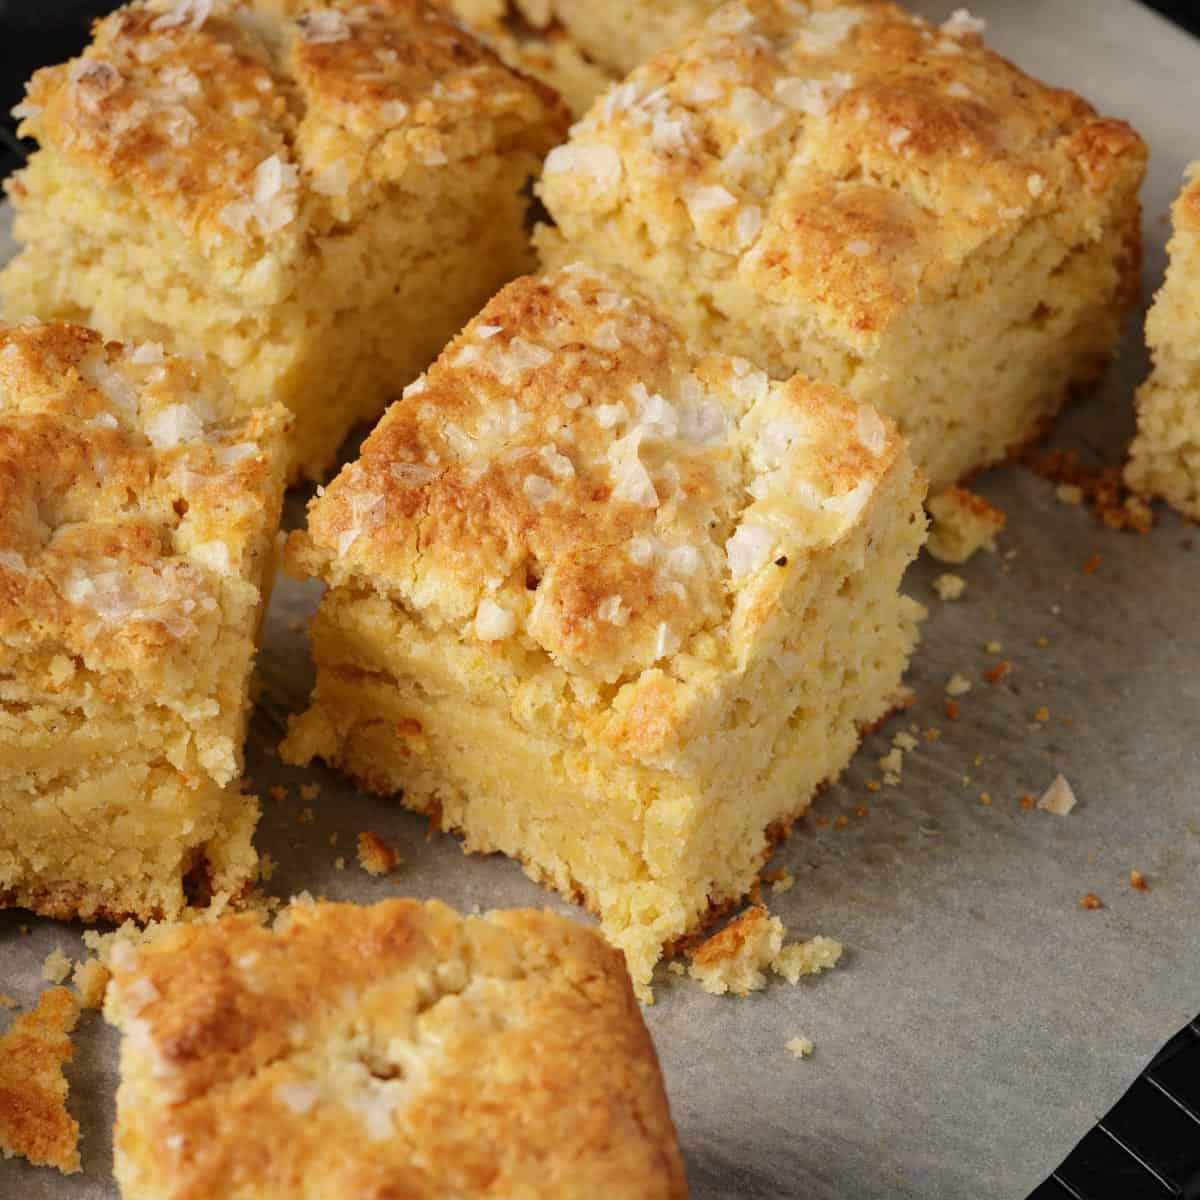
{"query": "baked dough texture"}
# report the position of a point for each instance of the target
(391, 1051)
(1165, 456)
(844, 190)
(318, 197)
(139, 504)
(612, 607)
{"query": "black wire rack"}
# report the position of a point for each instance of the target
(1148, 1146)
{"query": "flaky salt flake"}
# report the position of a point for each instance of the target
(300, 1098)
(600, 165)
(703, 200)
(1058, 798)
(147, 354)
(1036, 185)
(871, 430)
(961, 23)
(332, 180)
(749, 549)
(859, 248)
(173, 425)
(493, 622)
(484, 332)
(538, 490)
(323, 26)
(612, 609)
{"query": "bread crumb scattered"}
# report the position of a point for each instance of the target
(676, 967)
(781, 880)
(1042, 714)
(309, 791)
(957, 685)
(339, 863)
(34, 1121)
(1138, 881)
(1092, 565)
(278, 792)
(951, 709)
(1069, 493)
(963, 524)
(1090, 901)
(56, 966)
(1027, 801)
(305, 816)
(737, 959)
(1058, 798)
(892, 766)
(949, 586)
(1102, 487)
(375, 856)
(91, 981)
(905, 741)
(800, 1047)
(1000, 671)
(992, 648)
(985, 799)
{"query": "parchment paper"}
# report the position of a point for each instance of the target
(981, 1020)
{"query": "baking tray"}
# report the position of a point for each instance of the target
(981, 1021)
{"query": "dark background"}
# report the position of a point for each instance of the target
(36, 32)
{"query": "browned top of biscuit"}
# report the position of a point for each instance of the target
(844, 155)
(570, 475)
(396, 1050)
(132, 487)
(34, 1121)
(252, 120)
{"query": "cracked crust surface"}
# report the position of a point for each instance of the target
(34, 1122)
(265, 120)
(569, 478)
(848, 156)
(132, 490)
(385, 1051)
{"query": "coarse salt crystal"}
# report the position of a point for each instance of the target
(753, 112)
(898, 137)
(850, 504)
(666, 641)
(600, 164)
(749, 549)
(538, 490)
(959, 91)
(703, 200)
(493, 622)
(826, 29)
(559, 465)
(1036, 185)
(415, 388)
(859, 248)
(172, 425)
(609, 415)
(612, 609)
(483, 332)
(412, 474)
(214, 555)
(870, 430)
(332, 180)
(631, 480)
(749, 224)
(299, 1097)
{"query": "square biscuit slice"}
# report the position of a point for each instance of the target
(1165, 455)
(139, 507)
(844, 190)
(317, 197)
(365, 1053)
(613, 608)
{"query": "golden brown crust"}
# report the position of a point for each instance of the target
(130, 490)
(397, 1050)
(571, 476)
(917, 145)
(246, 120)
(34, 1121)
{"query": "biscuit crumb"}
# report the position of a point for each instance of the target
(737, 958)
(375, 856)
(963, 524)
(993, 648)
(1090, 901)
(1069, 493)
(339, 863)
(305, 816)
(781, 881)
(1000, 671)
(1042, 714)
(892, 766)
(1092, 565)
(799, 1047)
(985, 799)
(309, 791)
(951, 709)
(56, 966)
(278, 792)
(957, 685)
(949, 586)
(34, 1121)
(676, 967)
(1103, 488)
(1028, 802)
(1058, 798)
(905, 741)
(1138, 881)
(90, 978)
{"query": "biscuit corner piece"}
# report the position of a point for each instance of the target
(607, 606)
(317, 196)
(394, 1050)
(1165, 455)
(139, 506)
(844, 190)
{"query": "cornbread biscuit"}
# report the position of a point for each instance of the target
(1165, 456)
(34, 1121)
(843, 190)
(398, 1050)
(139, 503)
(614, 609)
(317, 197)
